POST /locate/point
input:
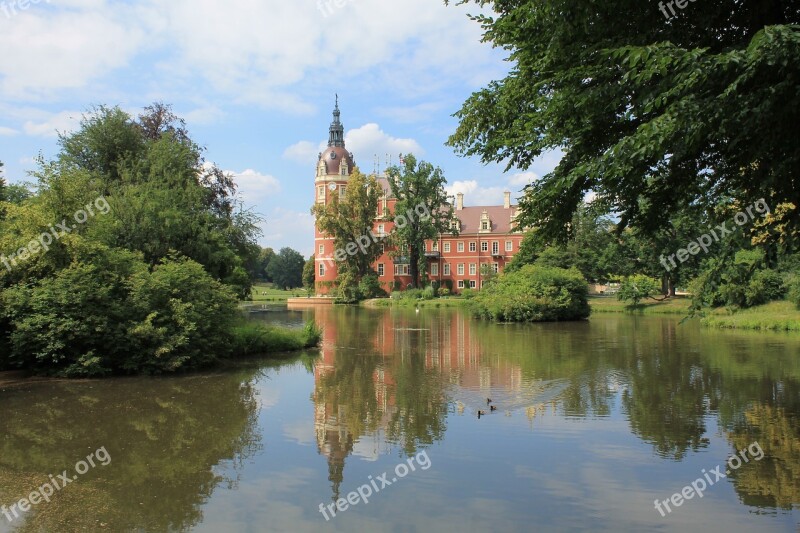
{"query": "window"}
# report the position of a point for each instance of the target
(435, 246)
(321, 269)
(446, 269)
(472, 269)
(461, 284)
(401, 270)
(484, 246)
(509, 246)
(447, 247)
(435, 269)
(495, 268)
(472, 284)
(383, 248)
(461, 247)
(495, 247)
(321, 250)
(380, 269)
(460, 269)
(320, 193)
(485, 225)
(342, 190)
(472, 247)
(381, 231)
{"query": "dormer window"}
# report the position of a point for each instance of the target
(485, 223)
(455, 224)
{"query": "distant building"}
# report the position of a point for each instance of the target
(486, 233)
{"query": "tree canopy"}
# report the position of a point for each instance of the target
(652, 114)
(421, 211)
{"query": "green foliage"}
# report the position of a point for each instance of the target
(309, 274)
(396, 295)
(671, 113)
(739, 282)
(467, 293)
(349, 221)
(534, 294)
(444, 292)
(108, 313)
(421, 211)
(637, 287)
(370, 287)
(428, 293)
(793, 290)
(286, 269)
(250, 338)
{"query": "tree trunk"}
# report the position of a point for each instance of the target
(413, 258)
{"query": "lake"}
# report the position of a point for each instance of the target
(594, 422)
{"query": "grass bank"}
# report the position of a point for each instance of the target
(776, 316)
(449, 301)
(678, 305)
(250, 338)
(265, 292)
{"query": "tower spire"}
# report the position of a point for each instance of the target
(336, 132)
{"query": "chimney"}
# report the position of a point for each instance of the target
(459, 201)
(507, 200)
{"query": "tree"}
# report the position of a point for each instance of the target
(309, 274)
(422, 211)
(651, 114)
(286, 269)
(350, 221)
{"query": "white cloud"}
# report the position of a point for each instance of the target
(201, 115)
(304, 152)
(8, 132)
(255, 187)
(54, 48)
(370, 140)
(522, 178)
(284, 227)
(474, 194)
(64, 121)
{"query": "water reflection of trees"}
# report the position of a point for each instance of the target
(166, 439)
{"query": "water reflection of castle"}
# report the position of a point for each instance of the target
(384, 379)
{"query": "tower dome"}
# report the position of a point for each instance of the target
(336, 152)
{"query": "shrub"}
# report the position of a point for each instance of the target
(370, 287)
(444, 292)
(638, 287)
(428, 293)
(793, 289)
(534, 293)
(412, 294)
(396, 295)
(467, 293)
(764, 286)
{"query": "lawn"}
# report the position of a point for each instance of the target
(265, 292)
(781, 316)
(678, 305)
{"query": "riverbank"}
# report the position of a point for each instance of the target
(449, 301)
(775, 316)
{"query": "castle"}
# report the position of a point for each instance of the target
(486, 234)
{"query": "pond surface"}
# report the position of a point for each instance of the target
(594, 422)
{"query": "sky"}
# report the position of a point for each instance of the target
(255, 80)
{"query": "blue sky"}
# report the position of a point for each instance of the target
(255, 80)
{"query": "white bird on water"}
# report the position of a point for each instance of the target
(417, 309)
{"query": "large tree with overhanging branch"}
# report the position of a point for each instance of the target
(652, 113)
(421, 211)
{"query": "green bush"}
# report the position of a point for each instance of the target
(250, 338)
(793, 289)
(428, 293)
(638, 287)
(444, 292)
(412, 294)
(370, 287)
(108, 313)
(396, 295)
(534, 293)
(467, 293)
(764, 286)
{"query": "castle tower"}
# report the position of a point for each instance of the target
(334, 167)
